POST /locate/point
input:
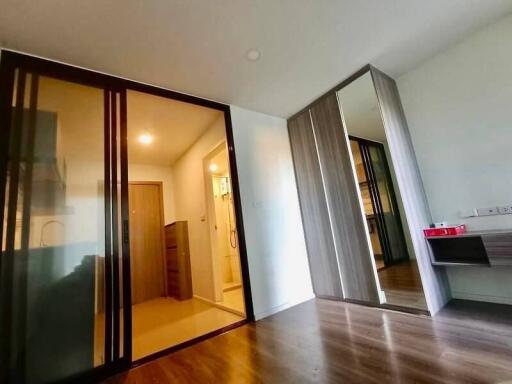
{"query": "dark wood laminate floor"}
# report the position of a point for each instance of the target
(402, 285)
(333, 342)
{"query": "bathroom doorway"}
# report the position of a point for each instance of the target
(223, 231)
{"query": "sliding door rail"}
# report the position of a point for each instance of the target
(99, 79)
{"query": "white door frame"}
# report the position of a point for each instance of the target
(218, 293)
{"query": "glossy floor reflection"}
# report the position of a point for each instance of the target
(333, 342)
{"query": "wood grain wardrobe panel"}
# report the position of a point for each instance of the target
(354, 257)
(323, 263)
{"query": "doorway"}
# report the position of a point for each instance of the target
(172, 259)
(66, 273)
(223, 231)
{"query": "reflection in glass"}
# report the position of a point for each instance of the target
(53, 242)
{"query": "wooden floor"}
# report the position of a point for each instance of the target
(334, 342)
(402, 285)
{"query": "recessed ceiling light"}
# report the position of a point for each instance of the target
(253, 54)
(213, 167)
(145, 138)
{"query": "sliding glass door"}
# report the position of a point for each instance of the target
(62, 225)
(65, 281)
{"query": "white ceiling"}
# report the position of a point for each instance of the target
(174, 126)
(199, 46)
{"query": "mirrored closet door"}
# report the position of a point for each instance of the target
(381, 201)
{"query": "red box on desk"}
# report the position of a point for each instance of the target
(445, 231)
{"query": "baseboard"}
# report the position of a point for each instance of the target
(204, 299)
(262, 314)
(282, 307)
(220, 306)
(484, 298)
(232, 288)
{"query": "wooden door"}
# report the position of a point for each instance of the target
(323, 265)
(146, 241)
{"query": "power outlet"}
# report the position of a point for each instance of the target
(505, 210)
(491, 211)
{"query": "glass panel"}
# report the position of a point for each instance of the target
(364, 187)
(54, 308)
(389, 206)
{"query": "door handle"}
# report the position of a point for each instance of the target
(126, 232)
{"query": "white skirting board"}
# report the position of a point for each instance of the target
(282, 307)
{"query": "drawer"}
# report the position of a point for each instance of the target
(170, 236)
(173, 286)
(171, 259)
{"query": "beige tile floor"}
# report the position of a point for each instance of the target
(233, 299)
(164, 322)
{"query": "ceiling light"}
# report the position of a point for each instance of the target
(213, 167)
(253, 54)
(145, 138)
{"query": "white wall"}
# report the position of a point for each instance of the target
(276, 250)
(145, 172)
(459, 109)
(190, 200)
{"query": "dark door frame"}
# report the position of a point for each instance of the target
(115, 89)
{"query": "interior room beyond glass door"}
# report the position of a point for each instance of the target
(57, 296)
(385, 194)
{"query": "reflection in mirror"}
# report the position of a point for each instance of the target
(381, 202)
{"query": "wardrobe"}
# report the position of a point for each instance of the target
(339, 250)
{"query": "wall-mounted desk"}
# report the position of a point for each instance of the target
(484, 248)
